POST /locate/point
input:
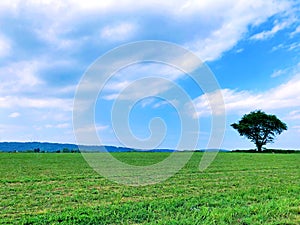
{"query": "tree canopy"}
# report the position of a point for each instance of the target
(260, 128)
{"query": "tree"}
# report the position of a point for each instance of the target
(66, 150)
(260, 128)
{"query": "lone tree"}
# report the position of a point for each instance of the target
(259, 127)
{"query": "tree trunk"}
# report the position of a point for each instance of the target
(259, 147)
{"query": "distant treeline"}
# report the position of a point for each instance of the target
(45, 147)
(35, 147)
(65, 150)
(37, 150)
(284, 151)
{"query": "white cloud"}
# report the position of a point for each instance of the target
(289, 47)
(173, 102)
(119, 32)
(234, 102)
(296, 31)
(160, 103)
(36, 103)
(293, 46)
(239, 50)
(232, 25)
(140, 89)
(270, 33)
(294, 115)
(285, 96)
(91, 4)
(11, 5)
(54, 114)
(60, 125)
(4, 128)
(92, 128)
(44, 20)
(19, 76)
(22, 78)
(114, 86)
(5, 46)
(147, 101)
(229, 20)
(293, 70)
(277, 47)
(277, 73)
(296, 128)
(14, 115)
(130, 80)
(52, 34)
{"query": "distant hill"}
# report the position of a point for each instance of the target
(60, 147)
(55, 147)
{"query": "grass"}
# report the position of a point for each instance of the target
(238, 188)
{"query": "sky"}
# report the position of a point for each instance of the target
(251, 46)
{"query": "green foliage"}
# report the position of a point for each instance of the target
(281, 151)
(238, 188)
(66, 150)
(36, 150)
(259, 127)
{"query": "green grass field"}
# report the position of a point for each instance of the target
(238, 188)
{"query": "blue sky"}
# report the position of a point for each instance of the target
(252, 47)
